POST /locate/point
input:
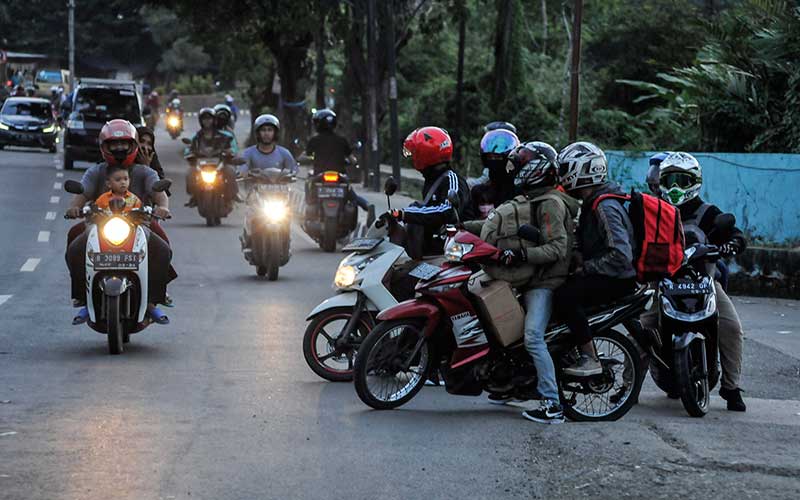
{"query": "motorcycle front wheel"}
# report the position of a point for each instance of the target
(114, 326)
(392, 364)
(693, 383)
(610, 395)
(319, 344)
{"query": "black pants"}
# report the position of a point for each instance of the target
(159, 257)
(580, 292)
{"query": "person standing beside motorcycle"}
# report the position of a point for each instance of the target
(431, 151)
(210, 142)
(606, 243)
(119, 146)
(680, 180)
(499, 186)
(329, 151)
(537, 267)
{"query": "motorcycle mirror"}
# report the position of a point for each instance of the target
(725, 221)
(529, 233)
(296, 141)
(116, 205)
(162, 185)
(452, 197)
(390, 186)
(358, 145)
(74, 187)
(186, 141)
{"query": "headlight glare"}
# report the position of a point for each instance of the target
(274, 210)
(208, 176)
(116, 231)
(345, 277)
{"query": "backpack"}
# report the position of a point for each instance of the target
(658, 233)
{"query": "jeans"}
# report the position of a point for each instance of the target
(539, 305)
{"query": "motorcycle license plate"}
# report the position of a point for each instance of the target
(687, 288)
(425, 271)
(115, 260)
(362, 245)
(330, 192)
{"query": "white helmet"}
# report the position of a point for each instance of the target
(680, 178)
(266, 120)
(580, 165)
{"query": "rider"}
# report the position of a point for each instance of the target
(431, 150)
(233, 107)
(329, 151)
(495, 146)
(606, 247)
(542, 265)
(209, 142)
(119, 146)
(223, 122)
(680, 178)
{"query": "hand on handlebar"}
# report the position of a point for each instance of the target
(161, 213)
(729, 249)
(73, 213)
(390, 216)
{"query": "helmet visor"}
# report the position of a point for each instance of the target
(499, 142)
(681, 179)
(406, 152)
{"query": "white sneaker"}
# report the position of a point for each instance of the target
(585, 367)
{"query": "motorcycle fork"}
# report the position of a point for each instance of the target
(346, 338)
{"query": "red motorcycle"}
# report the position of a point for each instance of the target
(451, 329)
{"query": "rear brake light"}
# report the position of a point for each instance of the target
(330, 177)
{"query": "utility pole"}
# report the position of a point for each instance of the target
(71, 7)
(372, 96)
(395, 127)
(577, 18)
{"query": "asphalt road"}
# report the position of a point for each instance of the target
(221, 405)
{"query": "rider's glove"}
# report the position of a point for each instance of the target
(393, 214)
(512, 257)
(729, 249)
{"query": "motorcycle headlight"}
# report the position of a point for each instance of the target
(455, 251)
(77, 124)
(49, 129)
(173, 121)
(345, 277)
(208, 176)
(275, 210)
(116, 231)
(3, 126)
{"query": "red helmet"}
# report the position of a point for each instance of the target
(119, 130)
(428, 146)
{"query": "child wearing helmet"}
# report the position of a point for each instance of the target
(680, 182)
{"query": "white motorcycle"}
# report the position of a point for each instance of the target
(363, 283)
(116, 268)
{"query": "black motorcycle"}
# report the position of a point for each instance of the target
(684, 350)
(265, 240)
(210, 183)
(330, 213)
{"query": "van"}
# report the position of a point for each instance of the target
(47, 79)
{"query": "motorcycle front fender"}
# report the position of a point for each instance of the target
(414, 309)
(345, 300)
(113, 286)
(682, 341)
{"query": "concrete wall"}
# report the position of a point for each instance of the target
(762, 190)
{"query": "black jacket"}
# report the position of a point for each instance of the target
(734, 236)
(605, 236)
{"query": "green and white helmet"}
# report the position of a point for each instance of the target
(680, 178)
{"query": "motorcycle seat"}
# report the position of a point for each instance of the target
(621, 302)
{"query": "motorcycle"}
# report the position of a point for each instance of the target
(329, 215)
(684, 350)
(265, 239)
(364, 282)
(117, 267)
(212, 203)
(174, 123)
(449, 327)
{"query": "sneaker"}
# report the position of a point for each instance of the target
(585, 367)
(549, 412)
(501, 399)
(734, 399)
(168, 301)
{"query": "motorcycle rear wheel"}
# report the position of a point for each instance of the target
(619, 385)
(377, 374)
(114, 326)
(328, 240)
(693, 384)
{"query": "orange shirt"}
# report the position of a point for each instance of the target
(131, 201)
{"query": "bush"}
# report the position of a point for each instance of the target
(195, 84)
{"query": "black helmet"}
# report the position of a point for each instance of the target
(500, 126)
(534, 165)
(204, 112)
(324, 119)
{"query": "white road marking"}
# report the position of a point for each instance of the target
(50, 216)
(57, 185)
(30, 265)
(302, 234)
(9, 433)
(54, 199)
(4, 299)
(59, 174)
(44, 237)
(59, 166)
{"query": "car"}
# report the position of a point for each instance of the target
(48, 79)
(94, 102)
(28, 121)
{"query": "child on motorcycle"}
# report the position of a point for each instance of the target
(538, 267)
(117, 182)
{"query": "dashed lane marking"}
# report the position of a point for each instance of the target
(57, 186)
(50, 216)
(59, 174)
(54, 199)
(30, 265)
(4, 299)
(44, 237)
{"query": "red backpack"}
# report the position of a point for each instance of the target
(658, 232)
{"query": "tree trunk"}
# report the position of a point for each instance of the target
(319, 43)
(292, 71)
(502, 45)
(462, 36)
(544, 27)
